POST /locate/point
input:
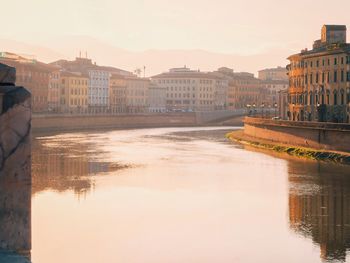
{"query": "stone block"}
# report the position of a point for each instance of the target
(7, 75)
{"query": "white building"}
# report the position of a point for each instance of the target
(191, 90)
(98, 90)
(157, 98)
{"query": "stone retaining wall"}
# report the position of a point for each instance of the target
(85, 122)
(328, 136)
(65, 122)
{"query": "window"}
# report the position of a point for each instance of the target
(317, 77)
(327, 97)
(335, 76)
(322, 77)
(342, 76)
(311, 99)
(348, 76)
(342, 102)
(317, 63)
(335, 61)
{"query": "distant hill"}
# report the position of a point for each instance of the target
(156, 61)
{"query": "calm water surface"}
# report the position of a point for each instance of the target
(182, 195)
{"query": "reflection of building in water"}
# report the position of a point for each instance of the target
(15, 214)
(319, 206)
(65, 166)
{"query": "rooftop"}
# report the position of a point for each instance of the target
(335, 27)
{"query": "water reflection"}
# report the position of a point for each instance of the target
(67, 166)
(188, 189)
(319, 206)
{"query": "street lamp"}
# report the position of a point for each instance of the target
(249, 111)
(275, 106)
(262, 109)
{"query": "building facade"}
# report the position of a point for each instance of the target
(157, 98)
(274, 80)
(282, 104)
(137, 90)
(117, 95)
(74, 92)
(99, 81)
(243, 89)
(98, 90)
(191, 90)
(54, 91)
(319, 79)
(33, 75)
(278, 73)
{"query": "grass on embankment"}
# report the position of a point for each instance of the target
(308, 153)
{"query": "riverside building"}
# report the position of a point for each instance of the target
(243, 89)
(99, 81)
(192, 90)
(319, 79)
(74, 92)
(137, 92)
(33, 75)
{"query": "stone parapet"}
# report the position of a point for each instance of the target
(15, 167)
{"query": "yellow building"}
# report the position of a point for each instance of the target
(74, 92)
(319, 79)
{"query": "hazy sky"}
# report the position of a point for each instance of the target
(225, 26)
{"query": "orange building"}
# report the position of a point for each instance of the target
(117, 94)
(54, 91)
(319, 79)
(33, 75)
(243, 89)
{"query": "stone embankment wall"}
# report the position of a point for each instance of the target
(327, 136)
(85, 122)
(216, 116)
(15, 165)
(50, 122)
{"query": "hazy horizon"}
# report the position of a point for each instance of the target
(240, 30)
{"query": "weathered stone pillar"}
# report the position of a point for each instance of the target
(15, 169)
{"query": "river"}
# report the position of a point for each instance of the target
(182, 195)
